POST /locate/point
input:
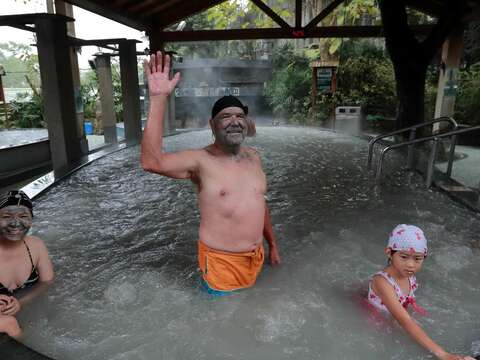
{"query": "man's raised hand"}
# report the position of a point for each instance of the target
(157, 73)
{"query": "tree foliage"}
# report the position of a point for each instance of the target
(232, 14)
(467, 107)
(90, 92)
(288, 92)
(19, 61)
(366, 78)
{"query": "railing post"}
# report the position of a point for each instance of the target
(380, 165)
(451, 156)
(431, 163)
(371, 143)
(411, 150)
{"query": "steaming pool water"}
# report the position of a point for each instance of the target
(123, 244)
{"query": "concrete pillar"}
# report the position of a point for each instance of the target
(447, 82)
(104, 73)
(57, 89)
(130, 91)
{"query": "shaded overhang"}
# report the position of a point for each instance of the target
(153, 16)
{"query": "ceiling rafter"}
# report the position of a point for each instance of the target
(141, 5)
(104, 8)
(162, 6)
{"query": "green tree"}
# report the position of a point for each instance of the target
(467, 106)
(366, 78)
(19, 61)
(90, 92)
(232, 14)
(288, 92)
(411, 55)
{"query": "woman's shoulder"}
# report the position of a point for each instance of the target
(35, 244)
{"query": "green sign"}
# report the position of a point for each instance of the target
(324, 79)
(451, 87)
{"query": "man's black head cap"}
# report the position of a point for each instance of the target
(15, 197)
(228, 101)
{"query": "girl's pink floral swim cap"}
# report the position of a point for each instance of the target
(408, 238)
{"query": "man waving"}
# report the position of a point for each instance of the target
(230, 182)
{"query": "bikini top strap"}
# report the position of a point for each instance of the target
(413, 285)
(390, 280)
(29, 254)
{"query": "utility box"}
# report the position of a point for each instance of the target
(348, 119)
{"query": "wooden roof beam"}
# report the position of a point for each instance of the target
(281, 33)
(271, 14)
(24, 27)
(155, 9)
(103, 10)
(24, 19)
(298, 14)
(323, 14)
(119, 3)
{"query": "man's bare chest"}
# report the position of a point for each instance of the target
(232, 177)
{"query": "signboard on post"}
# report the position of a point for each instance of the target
(324, 80)
(324, 77)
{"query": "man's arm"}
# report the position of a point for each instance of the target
(176, 165)
(269, 236)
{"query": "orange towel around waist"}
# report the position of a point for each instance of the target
(226, 271)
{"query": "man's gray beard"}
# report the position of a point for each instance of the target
(235, 140)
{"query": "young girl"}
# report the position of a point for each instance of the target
(392, 289)
(24, 260)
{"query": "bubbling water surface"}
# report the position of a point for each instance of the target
(123, 243)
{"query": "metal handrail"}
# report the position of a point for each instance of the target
(412, 130)
(431, 163)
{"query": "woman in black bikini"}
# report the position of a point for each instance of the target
(24, 260)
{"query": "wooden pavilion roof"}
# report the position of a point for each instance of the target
(153, 16)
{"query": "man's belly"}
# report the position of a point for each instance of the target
(240, 231)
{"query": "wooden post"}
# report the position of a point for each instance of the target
(62, 8)
(447, 83)
(104, 73)
(130, 91)
(57, 90)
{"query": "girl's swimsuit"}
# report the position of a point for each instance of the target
(376, 301)
(32, 279)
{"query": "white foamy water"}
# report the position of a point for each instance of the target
(123, 244)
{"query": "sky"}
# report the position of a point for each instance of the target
(83, 27)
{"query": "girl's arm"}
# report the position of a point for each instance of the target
(386, 292)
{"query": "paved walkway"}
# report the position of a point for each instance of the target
(466, 169)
